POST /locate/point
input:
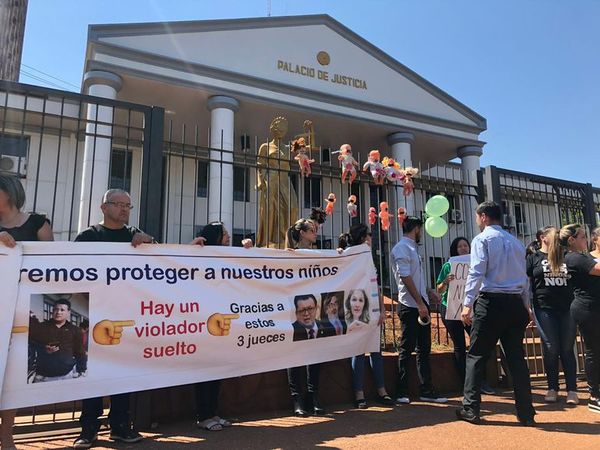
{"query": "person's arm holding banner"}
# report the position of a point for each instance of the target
(444, 278)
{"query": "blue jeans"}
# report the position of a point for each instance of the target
(557, 330)
(358, 371)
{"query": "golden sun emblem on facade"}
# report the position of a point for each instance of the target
(323, 58)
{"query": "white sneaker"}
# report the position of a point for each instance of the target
(551, 396)
(402, 401)
(572, 398)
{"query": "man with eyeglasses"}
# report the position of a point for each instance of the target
(116, 205)
(307, 327)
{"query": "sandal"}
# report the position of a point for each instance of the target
(223, 422)
(210, 425)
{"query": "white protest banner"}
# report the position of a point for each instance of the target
(10, 263)
(459, 267)
(164, 315)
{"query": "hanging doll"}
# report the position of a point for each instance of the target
(372, 216)
(393, 171)
(401, 216)
(347, 162)
(304, 161)
(374, 165)
(407, 174)
(330, 201)
(384, 216)
(351, 206)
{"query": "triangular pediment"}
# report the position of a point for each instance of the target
(313, 53)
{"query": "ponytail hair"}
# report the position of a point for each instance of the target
(558, 245)
(292, 235)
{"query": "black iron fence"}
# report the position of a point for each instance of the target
(47, 135)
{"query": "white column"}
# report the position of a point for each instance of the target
(97, 147)
(469, 165)
(401, 144)
(220, 185)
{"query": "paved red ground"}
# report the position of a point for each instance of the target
(415, 426)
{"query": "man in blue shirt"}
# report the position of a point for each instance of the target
(414, 298)
(496, 306)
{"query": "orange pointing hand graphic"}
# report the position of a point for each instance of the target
(109, 332)
(219, 324)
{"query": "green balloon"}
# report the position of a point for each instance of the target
(437, 206)
(436, 227)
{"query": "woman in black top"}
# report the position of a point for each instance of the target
(585, 309)
(552, 297)
(16, 225)
(207, 392)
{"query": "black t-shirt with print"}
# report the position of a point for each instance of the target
(586, 286)
(550, 291)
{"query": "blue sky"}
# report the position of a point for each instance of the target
(530, 67)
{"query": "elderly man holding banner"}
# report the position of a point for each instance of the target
(116, 205)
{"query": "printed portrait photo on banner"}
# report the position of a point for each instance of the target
(332, 312)
(306, 326)
(58, 336)
(357, 309)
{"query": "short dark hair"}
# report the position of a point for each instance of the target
(213, 233)
(355, 236)
(301, 297)
(63, 301)
(13, 189)
(454, 245)
(410, 223)
(490, 209)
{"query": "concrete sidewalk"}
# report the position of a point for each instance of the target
(414, 426)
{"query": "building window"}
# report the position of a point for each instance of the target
(48, 306)
(312, 192)
(202, 180)
(120, 170)
(241, 184)
(13, 154)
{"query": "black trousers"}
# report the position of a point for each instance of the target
(504, 317)
(456, 330)
(413, 335)
(296, 374)
(91, 410)
(587, 316)
(207, 399)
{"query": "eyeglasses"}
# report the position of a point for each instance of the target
(308, 310)
(120, 205)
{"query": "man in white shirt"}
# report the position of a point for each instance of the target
(414, 300)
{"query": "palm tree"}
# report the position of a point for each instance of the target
(12, 31)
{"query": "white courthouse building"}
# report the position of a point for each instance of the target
(215, 86)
